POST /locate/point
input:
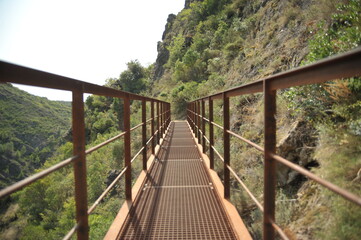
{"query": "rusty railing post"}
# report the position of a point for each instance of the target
(81, 195)
(203, 126)
(152, 126)
(226, 147)
(192, 115)
(158, 129)
(211, 134)
(269, 162)
(199, 123)
(161, 119)
(189, 114)
(170, 113)
(164, 117)
(127, 149)
(195, 120)
(144, 133)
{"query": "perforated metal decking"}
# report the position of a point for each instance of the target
(178, 200)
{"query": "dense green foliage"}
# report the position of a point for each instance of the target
(52, 214)
(335, 109)
(338, 35)
(211, 45)
(30, 129)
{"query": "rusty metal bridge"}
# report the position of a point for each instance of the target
(178, 195)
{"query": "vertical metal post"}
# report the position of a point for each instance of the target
(127, 149)
(192, 116)
(161, 119)
(188, 114)
(203, 127)
(195, 120)
(211, 134)
(164, 119)
(226, 143)
(152, 126)
(144, 133)
(158, 129)
(81, 195)
(269, 163)
(199, 122)
(165, 116)
(170, 113)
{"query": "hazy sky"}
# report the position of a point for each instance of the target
(82, 39)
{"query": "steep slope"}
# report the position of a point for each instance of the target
(209, 43)
(30, 129)
(212, 45)
(208, 47)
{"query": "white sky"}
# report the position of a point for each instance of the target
(83, 39)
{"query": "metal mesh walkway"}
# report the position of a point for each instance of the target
(178, 200)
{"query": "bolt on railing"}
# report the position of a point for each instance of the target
(342, 66)
(11, 73)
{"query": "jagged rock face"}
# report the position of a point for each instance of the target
(163, 53)
(162, 58)
(168, 26)
(297, 147)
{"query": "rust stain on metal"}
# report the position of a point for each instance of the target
(178, 200)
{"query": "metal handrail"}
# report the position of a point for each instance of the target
(106, 191)
(341, 66)
(12, 73)
(90, 150)
(27, 181)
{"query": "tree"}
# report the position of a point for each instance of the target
(134, 78)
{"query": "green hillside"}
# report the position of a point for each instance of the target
(208, 47)
(212, 46)
(30, 129)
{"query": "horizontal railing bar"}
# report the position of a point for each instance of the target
(149, 120)
(164, 113)
(260, 207)
(137, 126)
(340, 66)
(207, 140)
(219, 155)
(246, 141)
(217, 125)
(342, 192)
(90, 150)
(19, 185)
(71, 232)
(150, 139)
(279, 230)
(23, 75)
(190, 119)
(137, 154)
(106, 191)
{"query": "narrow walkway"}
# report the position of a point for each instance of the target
(178, 200)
